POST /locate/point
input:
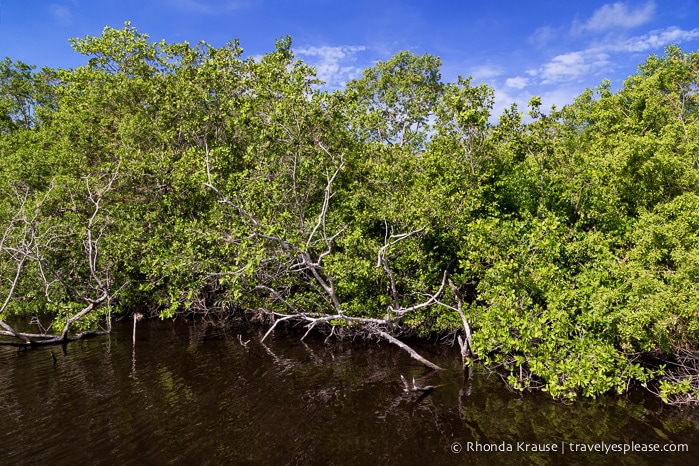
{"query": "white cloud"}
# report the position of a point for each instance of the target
(486, 72)
(617, 15)
(61, 14)
(561, 68)
(653, 40)
(558, 96)
(564, 76)
(504, 100)
(593, 61)
(564, 66)
(572, 66)
(334, 65)
(518, 82)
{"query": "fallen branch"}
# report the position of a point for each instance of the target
(274, 325)
(371, 327)
(407, 348)
(49, 339)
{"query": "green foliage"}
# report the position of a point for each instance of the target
(25, 96)
(392, 101)
(570, 235)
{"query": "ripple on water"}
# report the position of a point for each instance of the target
(192, 394)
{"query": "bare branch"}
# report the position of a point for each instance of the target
(274, 325)
(381, 258)
(85, 311)
(278, 296)
(414, 354)
(464, 343)
(32, 244)
(431, 300)
(92, 243)
(326, 202)
(310, 263)
(13, 284)
(393, 239)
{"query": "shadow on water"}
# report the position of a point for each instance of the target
(191, 393)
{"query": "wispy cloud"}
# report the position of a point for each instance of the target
(654, 40)
(542, 36)
(617, 15)
(518, 82)
(597, 59)
(487, 71)
(571, 66)
(334, 65)
(61, 14)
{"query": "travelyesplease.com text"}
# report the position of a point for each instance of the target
(569, 447)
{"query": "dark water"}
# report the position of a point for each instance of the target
(191, 394)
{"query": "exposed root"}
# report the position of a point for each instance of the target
(683, 373)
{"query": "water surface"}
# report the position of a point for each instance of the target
(190, 393)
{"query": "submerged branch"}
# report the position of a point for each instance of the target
(415, 387)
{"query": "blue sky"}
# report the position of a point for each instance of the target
(554, 49)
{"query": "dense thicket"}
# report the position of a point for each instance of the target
(182, 178)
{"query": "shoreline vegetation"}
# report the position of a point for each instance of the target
(559, 246)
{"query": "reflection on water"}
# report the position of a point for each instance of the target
(193, 394)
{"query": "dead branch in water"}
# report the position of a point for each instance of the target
(416, 388)
(412, 352)
(45, 340)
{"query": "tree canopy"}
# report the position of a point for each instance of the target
(560, 247)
